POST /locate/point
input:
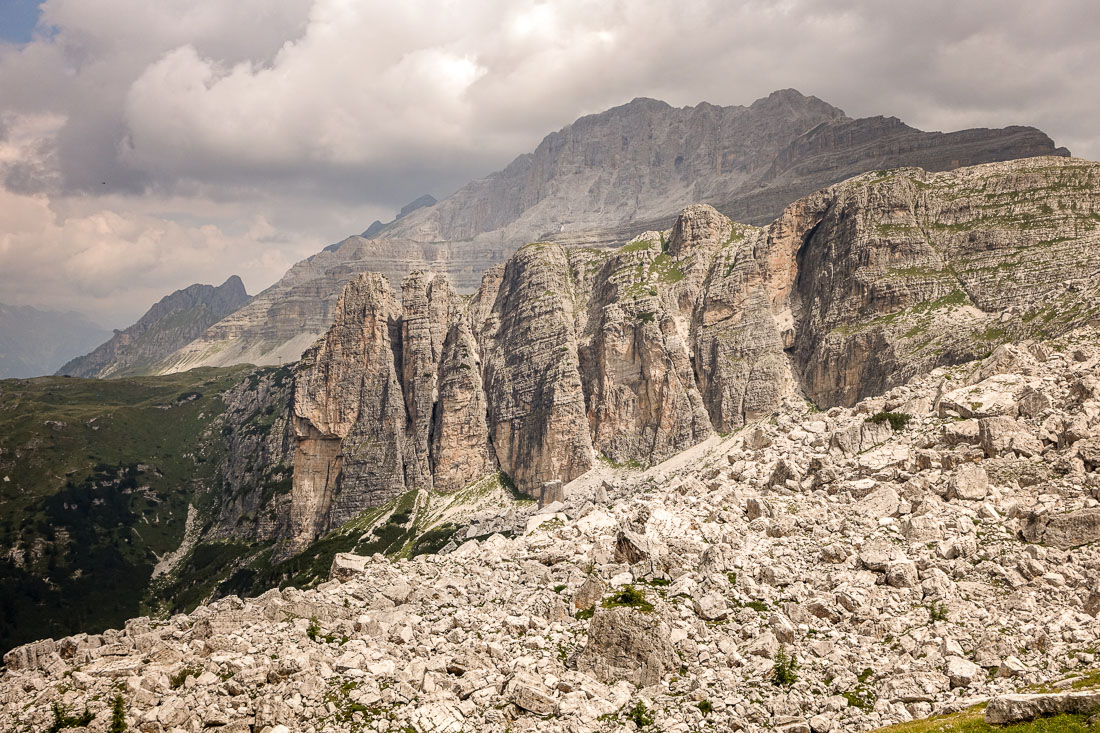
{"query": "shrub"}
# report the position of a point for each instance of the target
(62, 719)
(314, 628)
(785, 673)
(629, 597)
(705, 707)
(640, 715)
(897, 420)
(118, 715)
(180, 677)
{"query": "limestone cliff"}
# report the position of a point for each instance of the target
(566, 355)
(601, 181)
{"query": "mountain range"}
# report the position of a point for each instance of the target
(598, 182)
(833, 473)
(433, 404)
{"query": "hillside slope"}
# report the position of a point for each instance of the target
(917, 553)
(101, 479)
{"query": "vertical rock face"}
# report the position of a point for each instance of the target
(636, 354)
(537, 422)
(901, 270)
(349, 413)
(390, 398)
(643, 403)
(460, 447)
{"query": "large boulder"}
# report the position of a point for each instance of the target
(1071, 529)
(1004, 435)
(626, 644)
(963, 673)
(1019, 708)
(346, 566)
(590, 591)
(35, 655)
(970, 482)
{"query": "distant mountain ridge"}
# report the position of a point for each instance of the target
(34, 342)
(172, 322)
(647, 159)
(599, 182)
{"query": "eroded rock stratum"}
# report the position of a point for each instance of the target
(565, 356)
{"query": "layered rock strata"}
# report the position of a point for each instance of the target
(600, 181)
(568, 355)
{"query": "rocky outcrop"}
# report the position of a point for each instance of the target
(567, 355)
(390, 397)
(349, 414)
(626, 644)
(525, 322)
(173, 322)
(599, 182)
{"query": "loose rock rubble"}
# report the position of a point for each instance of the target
(812, 572)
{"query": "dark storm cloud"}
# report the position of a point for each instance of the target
(261, 129)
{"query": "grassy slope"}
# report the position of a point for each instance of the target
(95, 477)
(409, 525)
(973, 719)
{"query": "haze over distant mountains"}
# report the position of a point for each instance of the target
(598, 182)
(171, 323)
(36, 342)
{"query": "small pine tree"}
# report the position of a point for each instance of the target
(784, 673)
(118, 715)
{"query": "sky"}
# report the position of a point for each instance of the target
(148, 146)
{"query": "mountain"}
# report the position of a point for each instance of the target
(566, 356)
(34, 342)
(377, 226)
(644, 161)
(172, 322)
(822, 571)
(423, 416)
(599, 182)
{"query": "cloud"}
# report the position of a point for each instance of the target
(132, 130)
(114, 264)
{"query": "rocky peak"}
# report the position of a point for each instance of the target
(427, 200)
(565, 355)
(698, 226)
(169, 324)
(601, 181)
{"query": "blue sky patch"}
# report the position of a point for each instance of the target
(18, 19)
